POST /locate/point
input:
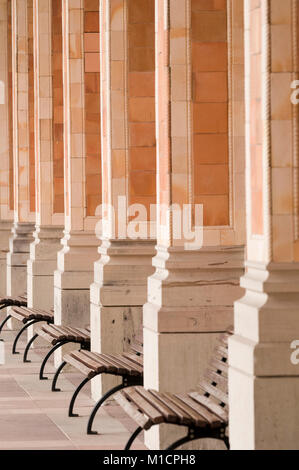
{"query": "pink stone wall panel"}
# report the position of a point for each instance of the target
(10, 122)
(65, 56)
(210, 109)
(23, 110)
(163, 110)
(57, 93)
(141, 102)
(105, 177)
(31, 106)
(256, 125)
(92, 106)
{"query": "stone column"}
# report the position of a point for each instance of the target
(263, 378)
(23, 176)
(191, 294)
(74, 272)
(128, 177)
(6, 187)
(43, 251)
(5, 232)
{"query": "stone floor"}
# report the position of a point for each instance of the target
(32, 417)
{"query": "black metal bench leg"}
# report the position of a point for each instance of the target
(226, 442)
(99, 403)
(181, 441)
(4, 306)
(14, 346)
(28, 347)
(53, 388)
(4, 321)
(42, 367)
(194, 434)
(133, 437)
(75, 394)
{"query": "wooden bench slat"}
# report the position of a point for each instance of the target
(214, 391)
(168, 414)
(51, 330)
(214, 420)
(139, 335)
(10, 300)
(87, 361)
(219, 365)
(46, 336)
(221, 359)
(134, 358)
(55, 333)
(99, 365)
(222, 351)
(62, 333)
(199, 420)
(71, 333)
(136, 348)
(133, 411)
(25, 314)
(114, 362)
(79, 333)
(138, 340)
(101, 361)
(131, 367)
(218, 379)
(83, 332)
(64, 329)
(155, 416)
(42, 313)
(18, 316)
(209, 404)
(79, 365)
(182, 418)
(17, 309)
(112, 367)
(132, 364)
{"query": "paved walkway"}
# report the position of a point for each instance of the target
(32, 417)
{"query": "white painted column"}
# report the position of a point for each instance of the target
(120, 275)
(264, 370)
(43, 251)
(74, 272)
(21, 238)
(6, 193)
(191, 294)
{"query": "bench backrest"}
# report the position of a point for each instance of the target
(136, 345)
(214, 384)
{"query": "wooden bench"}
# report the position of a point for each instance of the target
(28, 316)
(204, 411)
(19, 301)
(128, 365)
(57, 336)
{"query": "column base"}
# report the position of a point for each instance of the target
(190, 301)
(19, 249)
(5, 233)
(264, 370)
(117, 296)
(40, 270)
(72, 282)
(41, 267)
